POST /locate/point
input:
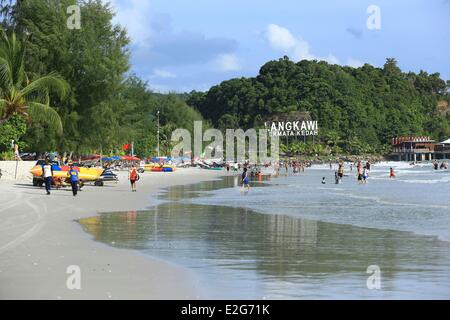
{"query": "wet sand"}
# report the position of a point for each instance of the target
(40, 239)
(241, 253)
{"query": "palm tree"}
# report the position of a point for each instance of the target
(19, 95)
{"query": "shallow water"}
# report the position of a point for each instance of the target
(216, 231)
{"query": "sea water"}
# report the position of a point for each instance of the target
(293, 237)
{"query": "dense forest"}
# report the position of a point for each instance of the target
(359, 109)
(106, 106)
(100, 105)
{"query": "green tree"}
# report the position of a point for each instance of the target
(19, 95)
(13, 129)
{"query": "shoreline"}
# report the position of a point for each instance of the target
(40, 239)
(171, 236)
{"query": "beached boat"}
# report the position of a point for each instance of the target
(84, 174)
(215, 168)
(153, 167)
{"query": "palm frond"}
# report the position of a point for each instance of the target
(3, 105)
(42, 113)
(5, 75)
(52, 82)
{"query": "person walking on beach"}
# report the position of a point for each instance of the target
(16, 152)
(73, 175)
(47, 174)
(245, 181)
(133, 177)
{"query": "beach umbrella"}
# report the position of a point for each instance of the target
(115, 158)
(91, 157)
(130, 158)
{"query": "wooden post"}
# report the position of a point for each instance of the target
(17, 164)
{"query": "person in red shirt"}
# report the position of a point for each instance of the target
(133, 177)
(392, 174)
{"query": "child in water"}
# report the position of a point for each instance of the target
(337, 179)
(392, 174)
(245, 182)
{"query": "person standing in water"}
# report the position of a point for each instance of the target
(341, 170)
(47, 174)
(360, 174)
(365, 174)
(73, 175)
(245, 180)
(133, 177)
(391, 173)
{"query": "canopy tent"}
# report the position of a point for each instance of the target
(91, 157)
(160, 159)
(130, 158)
(446, 142)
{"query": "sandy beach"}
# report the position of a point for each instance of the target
(40, 239)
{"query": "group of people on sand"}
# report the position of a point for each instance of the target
(48, 176)
(73, 177)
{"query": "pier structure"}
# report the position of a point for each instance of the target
(419, 148)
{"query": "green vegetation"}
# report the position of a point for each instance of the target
(12, 129)
(96, 104)
(19, 95)
(359, 109)
(105, 106)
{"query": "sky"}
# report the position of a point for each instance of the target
(181, 45)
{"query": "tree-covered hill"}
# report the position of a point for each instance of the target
(358, 108)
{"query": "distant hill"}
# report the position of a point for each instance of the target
(369, 105)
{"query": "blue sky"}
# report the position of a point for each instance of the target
(180, 45)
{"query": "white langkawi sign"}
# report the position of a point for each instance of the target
(293, 128)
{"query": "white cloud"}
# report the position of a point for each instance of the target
(282, 39)
(162, 74)
(134, 16)
(354, 63)
(228, 62)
